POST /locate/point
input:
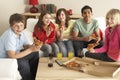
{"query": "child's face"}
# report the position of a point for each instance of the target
(46, 19)
(18, 27)
(87, 14)
(111, 21)
(62, 16)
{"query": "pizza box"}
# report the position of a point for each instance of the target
(93, 67)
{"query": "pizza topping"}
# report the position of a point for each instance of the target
(37, 42)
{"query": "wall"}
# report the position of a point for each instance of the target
(8, 7)
(100, 7)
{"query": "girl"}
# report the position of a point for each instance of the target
(45, 31)
(64, 32)
(111, 48)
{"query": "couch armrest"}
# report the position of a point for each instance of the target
(9, 69)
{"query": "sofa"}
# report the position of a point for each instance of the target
(9, 69)
(30, 23)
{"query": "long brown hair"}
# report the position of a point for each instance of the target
(66, 14)
(40, 23)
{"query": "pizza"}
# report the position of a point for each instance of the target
(72, 64)
(92, 45)
(37, 42)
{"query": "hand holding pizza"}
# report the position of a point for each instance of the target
(37, 42)
(91, 46)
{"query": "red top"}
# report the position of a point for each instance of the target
(41, 34)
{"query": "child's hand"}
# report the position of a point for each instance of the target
(91, 50)
(61, 29)
(98, 39)
(37, 42)
(48, 31)
(91, 46)
(35, 48)
(89, 38)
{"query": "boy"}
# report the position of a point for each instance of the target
(12, 43)
(83, 30)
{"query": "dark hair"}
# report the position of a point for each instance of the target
(66, 14)
(86, 7)
(16, 18)
(40, 23)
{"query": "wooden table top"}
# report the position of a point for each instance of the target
(61, 73)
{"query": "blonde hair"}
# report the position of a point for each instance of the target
(115, 13)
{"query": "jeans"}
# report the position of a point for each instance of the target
(27, 66)
(65, 47)
(50, 48)
(79, 45)
(99, 56)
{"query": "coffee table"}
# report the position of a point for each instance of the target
(61, 73)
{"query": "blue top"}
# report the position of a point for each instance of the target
(10, 41)
(84, 29)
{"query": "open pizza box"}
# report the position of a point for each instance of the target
(93, 66)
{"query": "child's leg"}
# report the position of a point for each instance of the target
(28, 66)
(55, 48)
(34, 63)
(24, 69)
(62, 48)
(99, 56)
(69, 46)
(78, 46)
(46, 48)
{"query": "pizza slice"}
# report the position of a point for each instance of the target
(37, 42)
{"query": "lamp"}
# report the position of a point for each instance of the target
(33, 9)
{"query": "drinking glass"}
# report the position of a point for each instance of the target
(70, 55)
(59, 56)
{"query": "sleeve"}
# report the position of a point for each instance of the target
(10, 43)
(96, 26)
(26, 42)
(105, 46)
(75, 27)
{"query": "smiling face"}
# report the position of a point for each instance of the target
(18, 27)
(87, 14)
(111, 21)
(62, 16)
(46, 19)
(113, 18)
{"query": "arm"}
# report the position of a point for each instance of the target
(75, 32)
(104, 48)
(97, 33)
(75, 36)
(26, 46)
(14, 54)
(59, 34)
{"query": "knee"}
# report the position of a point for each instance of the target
(48, 48)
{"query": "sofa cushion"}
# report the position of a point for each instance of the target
(9, 69)
(31, 22)
(102, 25)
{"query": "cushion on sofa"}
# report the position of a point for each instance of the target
(9, 69)
(102, 25)
(31, 22)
